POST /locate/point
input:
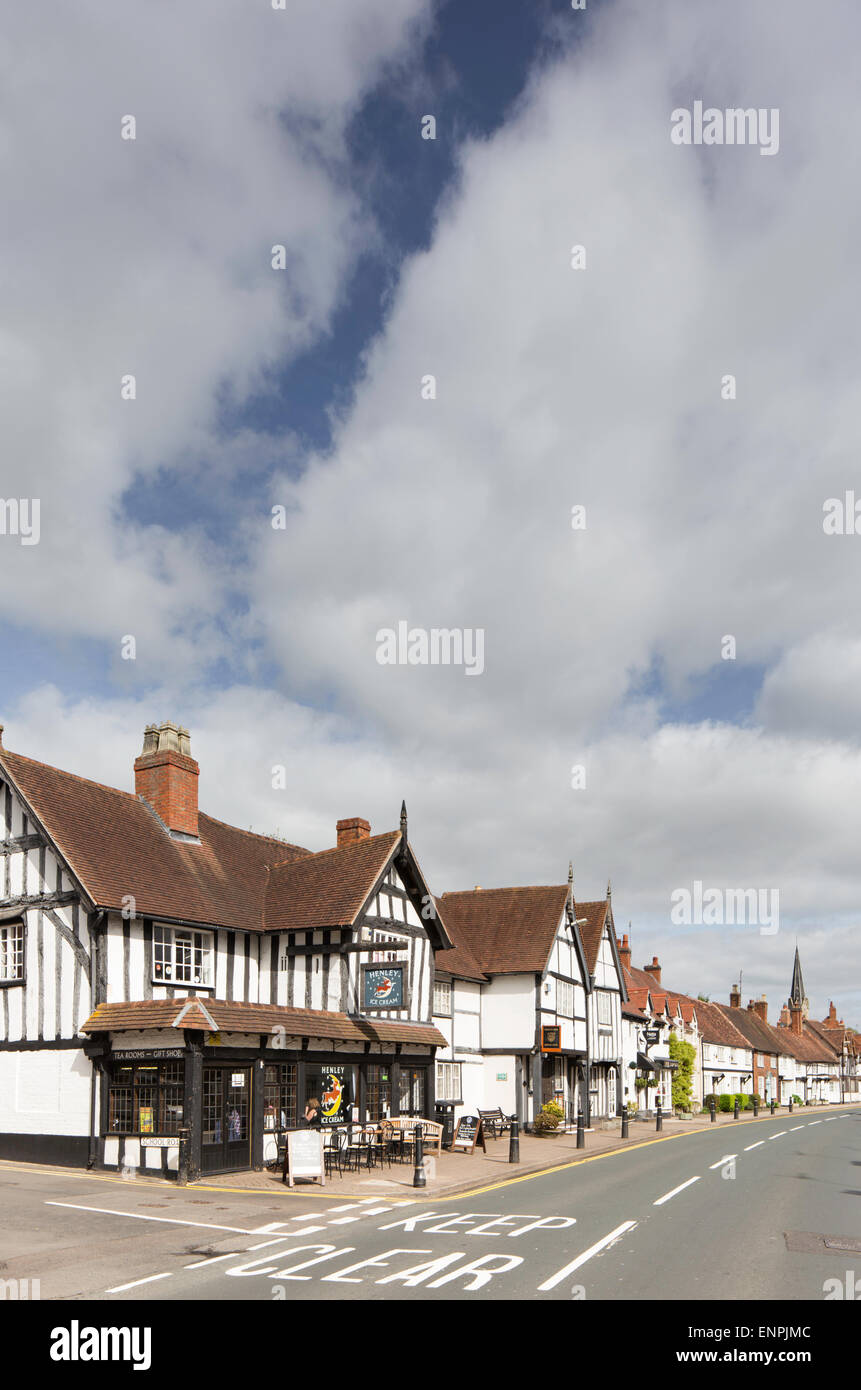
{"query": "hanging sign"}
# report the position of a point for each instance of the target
(551, 1038)
(469, 1132)
(305, 1155)
(383, 987)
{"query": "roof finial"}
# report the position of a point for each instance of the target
(570, 861)
(609, 890)
(404, 820)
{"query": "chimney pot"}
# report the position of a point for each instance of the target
(654, 970)
(735, 997)
(351, 830)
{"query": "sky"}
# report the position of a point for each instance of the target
(734, 764)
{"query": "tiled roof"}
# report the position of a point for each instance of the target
(591, 930)
(805, 1046)
(116, 847)
(259, 1018)
(830, 1038)
(716, 1027)
(507, 930)
(326, 889)
(761, 1036)
(459, 961)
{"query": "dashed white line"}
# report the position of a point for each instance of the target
(376, 1211)
(587, 1255)
(721, 1161)
(811, 1123)
(758, 1145)
(779, 1135)
(341, 1221)
(199, 1264)
(120, 1288)
(667, 1195)
(795, 1127)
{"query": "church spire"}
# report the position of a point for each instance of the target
(797, 995)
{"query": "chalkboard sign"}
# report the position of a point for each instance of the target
(470, 1132)
(305, 1155)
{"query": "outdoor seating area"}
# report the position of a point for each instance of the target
(354, 1148)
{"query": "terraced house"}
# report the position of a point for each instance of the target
(159, 967)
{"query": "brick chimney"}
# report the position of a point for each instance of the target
(784, 1017)
(735, 997)
(349, 831)
(796, 1016)
(831, 1021)
(624, 952)
(166, 776)
(654, 970)
(760, 1007)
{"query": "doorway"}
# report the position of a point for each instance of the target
(226, 1111)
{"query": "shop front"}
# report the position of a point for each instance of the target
(238, 1094)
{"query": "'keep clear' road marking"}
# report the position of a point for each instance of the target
(721, 1161)
(450, 1223)
(587, 1255)
(758, 1145)
(667, 1195)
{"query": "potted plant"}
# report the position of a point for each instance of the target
(547, 1121)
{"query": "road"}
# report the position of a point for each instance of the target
(735, 1214)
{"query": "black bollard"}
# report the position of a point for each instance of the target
(755, 1107)
(581, 1135)
(182, 1169)
(712, 1110)
(659, 1118)
(790, 1105)
(625, 1123)
(419, 1177)
(514, 1141)
(735, 1108)
(772, 1107)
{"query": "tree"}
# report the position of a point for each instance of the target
(685, 1054)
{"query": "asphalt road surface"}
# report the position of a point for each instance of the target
(738, 1213)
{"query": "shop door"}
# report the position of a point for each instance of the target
(226, 1143)
(413, 1091)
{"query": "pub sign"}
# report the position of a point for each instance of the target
(383, 987)
(551, 1038)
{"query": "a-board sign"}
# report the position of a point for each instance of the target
(551, 1038)
(151, 1142)
(469, 1132)
(305, 1155)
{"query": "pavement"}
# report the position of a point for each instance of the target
(450, 1173)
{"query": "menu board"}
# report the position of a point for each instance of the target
(305, 1155)
(469, 1133)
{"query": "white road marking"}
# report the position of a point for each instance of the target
(779, 1135)
(351, 1206)
(814, 1122)
(758, 1145)
(587, 1255)
(120, 1288)
(199, 1264)
(667, 1195)
(721, 1161)
(795, 1127)
(376, 1211)
(170, 1220)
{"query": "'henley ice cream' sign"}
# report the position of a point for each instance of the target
(383, 988)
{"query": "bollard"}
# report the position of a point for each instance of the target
(735, 1108)
(712, 1110)
(772, 1107)
(755, 1107)
(581, 1136)
(790, 1105)
(659, 1118)
(182, 1169)
(419, 1177)
(625, 1123)
(514, 1141)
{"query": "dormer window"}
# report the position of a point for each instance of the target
(182, 957)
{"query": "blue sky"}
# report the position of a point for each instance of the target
(556, 387)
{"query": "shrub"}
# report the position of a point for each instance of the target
(686, 1055)
(548, 1118)
(724, 1104)
(707, 1100)
(796, 1100)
